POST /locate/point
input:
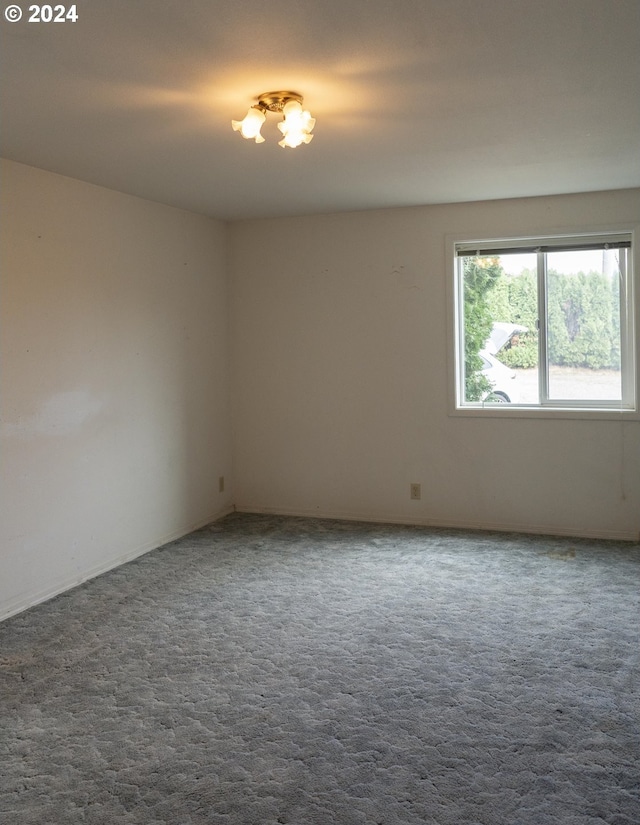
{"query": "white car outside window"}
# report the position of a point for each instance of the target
(501, 377)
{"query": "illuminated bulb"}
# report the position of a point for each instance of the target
(296, 126)
(295, 138)
(251, 125)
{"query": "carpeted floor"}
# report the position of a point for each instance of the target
(276, 670)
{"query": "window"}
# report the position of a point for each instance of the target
(545, 324)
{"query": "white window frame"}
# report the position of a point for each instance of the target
(628, 407)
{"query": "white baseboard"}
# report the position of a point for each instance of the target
(13, 607)
(388, 518)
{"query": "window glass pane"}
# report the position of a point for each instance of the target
(500, 329)
(583, 338)
(516, 301)
(583, 328)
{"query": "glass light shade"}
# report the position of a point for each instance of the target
(294, 138)
(291, 109)
(296, 126)
(251, 125)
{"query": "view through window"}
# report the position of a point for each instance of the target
(546, 323)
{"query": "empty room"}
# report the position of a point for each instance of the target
(320, 412)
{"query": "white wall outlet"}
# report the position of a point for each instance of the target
(416, 492)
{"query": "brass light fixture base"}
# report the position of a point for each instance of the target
(296, 125)
(275, 101)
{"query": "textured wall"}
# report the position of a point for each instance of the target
(342, 344)
(115, 406)
(117, 359)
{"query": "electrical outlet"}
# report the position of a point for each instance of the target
(221, 484)
(416, 492)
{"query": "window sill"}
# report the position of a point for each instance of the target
(521, 411)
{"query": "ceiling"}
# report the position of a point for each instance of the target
(416, 101)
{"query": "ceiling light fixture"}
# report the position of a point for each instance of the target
(296, 127)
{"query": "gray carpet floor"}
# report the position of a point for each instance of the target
(274, 670)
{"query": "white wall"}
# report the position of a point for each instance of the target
(115, 402)
(115, 380)
(340, 347)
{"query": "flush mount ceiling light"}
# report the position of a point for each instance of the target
(296, 127)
